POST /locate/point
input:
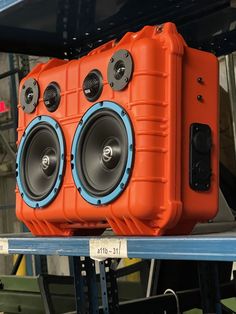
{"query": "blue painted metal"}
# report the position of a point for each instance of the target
(103, 285)
(51, 196)
(6, 4)
(121, 185)
(203, 248)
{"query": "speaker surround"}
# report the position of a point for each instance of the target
(102, 153)
(40, 161)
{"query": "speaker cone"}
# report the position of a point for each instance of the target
(101, 154)
(40, 162)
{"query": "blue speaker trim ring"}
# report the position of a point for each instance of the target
(123, 182)
(53, 193)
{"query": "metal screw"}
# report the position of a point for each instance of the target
(200, 80)
(126, 55)
(34, 82)
(112, 60)
(23, 107)
(199, 98)
(23, 87)
(126, 79)
(111, 84)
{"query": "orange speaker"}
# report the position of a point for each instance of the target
(125, 137)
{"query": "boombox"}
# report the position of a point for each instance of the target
(125, 137)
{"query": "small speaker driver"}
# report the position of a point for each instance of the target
(29, 95)
(92, 85)
(40, 162)
(52, 96)
(120, 69)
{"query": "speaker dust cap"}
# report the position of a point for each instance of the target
(102, 153)
(40, 162)
(120, 69)
(29, 95)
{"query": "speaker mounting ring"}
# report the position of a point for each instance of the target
(108, 198)
(29, 95)
(55, 126)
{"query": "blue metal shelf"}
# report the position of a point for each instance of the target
(217, 247)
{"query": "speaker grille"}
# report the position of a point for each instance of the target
(92, 85)
(52, 96)
(102, 153)
(40, 161)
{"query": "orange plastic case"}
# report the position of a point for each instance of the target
(172, 87)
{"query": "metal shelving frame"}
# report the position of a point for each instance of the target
(213, 247)
(205, 24)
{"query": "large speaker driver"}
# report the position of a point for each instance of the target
(102, 153)
(40, 161)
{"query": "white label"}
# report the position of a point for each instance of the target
(103, 248)
(3, 246)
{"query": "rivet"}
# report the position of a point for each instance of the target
(126, 55)
(111, 84)
(200, 80)
(126, 79)
(112, 60)
(199, 98)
